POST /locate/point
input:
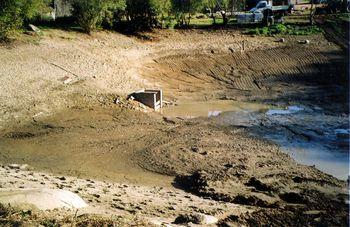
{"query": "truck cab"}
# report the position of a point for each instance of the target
(276, 6)
(262, 5)
(265, 11)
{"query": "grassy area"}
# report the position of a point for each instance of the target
(344, 16)
(204, 22)
(199, 21)
(282, 29)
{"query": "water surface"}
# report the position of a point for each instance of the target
(306, 133)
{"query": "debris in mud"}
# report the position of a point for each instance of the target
(258, 185)
(19, 135)
(195, 149)
(304, 41)
(252, 200)
(18, 166)
(66, 80)
(199, 219)
(169, 120)
(293, 197)
(195, 182)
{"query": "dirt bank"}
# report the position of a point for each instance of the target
(310, 74)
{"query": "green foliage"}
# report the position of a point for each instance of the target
(182, 7)
(113, 12)
(144, 13)
(281, 29)
(14, 13)
(90, 13)
(217, 5)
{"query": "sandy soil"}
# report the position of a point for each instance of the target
(76, 130)
(98, 64)
(152, 204)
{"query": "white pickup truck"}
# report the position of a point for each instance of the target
(265, 11)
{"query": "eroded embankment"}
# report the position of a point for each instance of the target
(294, 71)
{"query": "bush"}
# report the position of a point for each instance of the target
(143, 13)
(90, 14)
(14, 13)
(281, 29)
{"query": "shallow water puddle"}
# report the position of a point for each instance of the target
(289, 110)
(210, 108)
(311, 137)
(307, 134)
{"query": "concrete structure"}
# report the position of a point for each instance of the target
(151, 98)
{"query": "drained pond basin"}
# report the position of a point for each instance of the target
(306, 133)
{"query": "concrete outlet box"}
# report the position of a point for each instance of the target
(151, 98)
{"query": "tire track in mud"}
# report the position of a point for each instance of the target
(255, 70)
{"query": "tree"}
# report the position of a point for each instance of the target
(183, 7)
(15, 13)
(144, 13)
(224, 4)
(218, 5)
(165, 8)
(113, 13)
(312, 13)
(237, 5)
(211, 5)
(90, 13)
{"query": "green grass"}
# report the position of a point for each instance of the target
(344, 17)
(205, 22)
(282, 29)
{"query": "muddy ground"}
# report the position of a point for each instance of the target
(77, 130)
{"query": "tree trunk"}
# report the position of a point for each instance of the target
(189, 19)
(224, 18)
(312, 13)
(344, 5)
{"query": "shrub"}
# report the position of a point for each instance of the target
(281, 29)
(143, 13)
(89, 14)
(265, 31)
(14, 13)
